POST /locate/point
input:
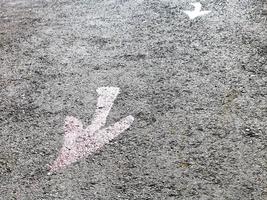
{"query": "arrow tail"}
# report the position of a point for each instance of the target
(107, 96)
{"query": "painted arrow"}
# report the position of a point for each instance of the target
(80, 142)
(196, 12)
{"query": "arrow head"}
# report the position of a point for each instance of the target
(80, 142)
(196, 12)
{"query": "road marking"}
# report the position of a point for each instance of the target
(80, 142)
(196, 12)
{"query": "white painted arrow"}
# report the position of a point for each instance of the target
(80, 142)
(196, 12)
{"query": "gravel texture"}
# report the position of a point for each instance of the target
(197, 89)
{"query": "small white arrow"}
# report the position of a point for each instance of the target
(80, 142)
(196, 12)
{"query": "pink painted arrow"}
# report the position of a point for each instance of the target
(80, 142)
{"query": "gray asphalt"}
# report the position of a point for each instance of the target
(196, 88)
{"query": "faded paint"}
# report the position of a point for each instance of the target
(196, 12)
(80, 142)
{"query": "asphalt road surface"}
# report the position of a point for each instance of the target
(196, 89)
